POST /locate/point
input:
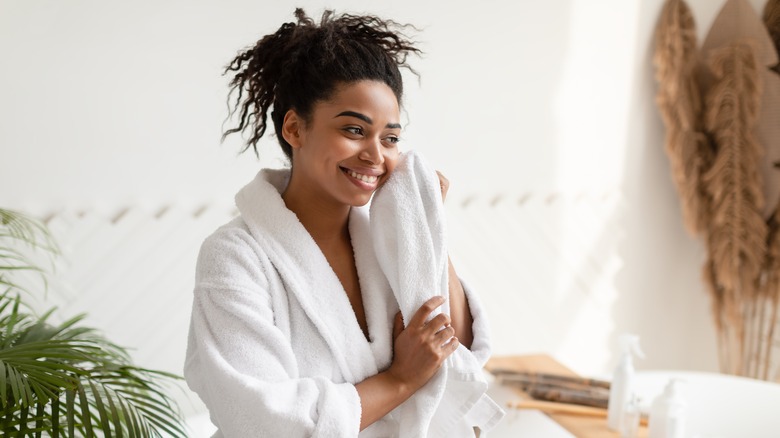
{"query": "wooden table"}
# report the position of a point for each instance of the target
(579, 426)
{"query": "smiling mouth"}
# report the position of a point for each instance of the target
(369, 179)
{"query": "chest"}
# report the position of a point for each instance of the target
(342, 260)
(322, 328)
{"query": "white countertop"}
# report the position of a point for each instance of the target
(521, 423)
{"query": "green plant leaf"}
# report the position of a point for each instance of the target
(23, 421)
(70, 411)
(39, 416)
(101, 408)
(3, 385)
(55, 418)
(84, 403)
(14, 384)
(76, 380)
(115, 416)
(21, 227)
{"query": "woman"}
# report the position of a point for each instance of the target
(282, 290)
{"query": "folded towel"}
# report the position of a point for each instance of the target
(409, 235)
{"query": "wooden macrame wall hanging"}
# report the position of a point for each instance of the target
(721, 107)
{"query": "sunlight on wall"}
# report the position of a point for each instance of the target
(591, 106)
(594, 96)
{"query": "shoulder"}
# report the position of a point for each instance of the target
(233, 235)
(230, 252)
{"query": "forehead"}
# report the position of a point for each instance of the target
(372, 98)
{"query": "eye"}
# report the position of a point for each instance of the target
(355, 130)
(392, 139)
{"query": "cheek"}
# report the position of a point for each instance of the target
(391, 159)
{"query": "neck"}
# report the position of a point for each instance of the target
(327, 222)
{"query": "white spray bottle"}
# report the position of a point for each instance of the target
(621, 387)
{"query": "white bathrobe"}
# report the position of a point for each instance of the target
(274, 346)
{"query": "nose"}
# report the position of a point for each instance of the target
(372, 152)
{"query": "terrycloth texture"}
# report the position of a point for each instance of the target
(409, 234)
(274, 347)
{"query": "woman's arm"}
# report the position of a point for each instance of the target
(379, 395)
(459, 305)
(460, 313)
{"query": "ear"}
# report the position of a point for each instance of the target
(292, 129)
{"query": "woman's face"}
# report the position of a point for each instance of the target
(349, 147)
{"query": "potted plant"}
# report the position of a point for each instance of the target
(64, 379)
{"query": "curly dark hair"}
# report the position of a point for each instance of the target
(303, 63)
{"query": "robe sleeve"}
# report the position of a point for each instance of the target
(242, 365)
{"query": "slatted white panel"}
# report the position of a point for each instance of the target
(132, 272)
(542, 263)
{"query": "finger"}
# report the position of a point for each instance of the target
(444, 184)
(437, 322)
(444, 336)
(452, 345)
(398, 325)
(443, 181)
(418, 320)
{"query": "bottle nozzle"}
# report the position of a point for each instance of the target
(629, 343)
(673, 386)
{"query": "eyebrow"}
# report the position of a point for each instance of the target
(366, 119)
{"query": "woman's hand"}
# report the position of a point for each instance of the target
(421, 348)
(418, 352)
(444, 183)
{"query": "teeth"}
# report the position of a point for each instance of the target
(364, 178)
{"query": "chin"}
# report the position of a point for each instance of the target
(360, 203)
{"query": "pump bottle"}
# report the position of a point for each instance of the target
(668, 413)
(621, 389)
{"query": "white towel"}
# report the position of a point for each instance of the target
(409, 235)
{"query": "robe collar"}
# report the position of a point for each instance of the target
(308, 276)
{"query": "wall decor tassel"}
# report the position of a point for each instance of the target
(728, 178)
(680, 103)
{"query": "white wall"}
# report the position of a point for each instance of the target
(105, 105)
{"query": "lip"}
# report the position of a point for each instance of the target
(365, 170)
(360, 183)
